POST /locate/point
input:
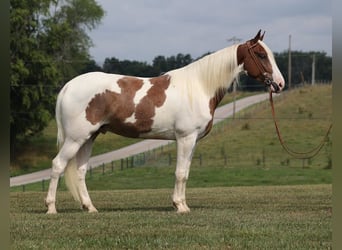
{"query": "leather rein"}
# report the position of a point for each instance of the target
(299, 155)
(269, 82)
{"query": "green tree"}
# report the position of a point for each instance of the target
(33, 73)
(301, 69)
(302, 66)
(112, 65)
(65, 34)
(160, 64)
(48, 45)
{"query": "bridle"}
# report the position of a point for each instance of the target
(268, 80)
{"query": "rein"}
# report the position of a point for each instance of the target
(298, 155)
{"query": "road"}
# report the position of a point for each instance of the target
(222, 112)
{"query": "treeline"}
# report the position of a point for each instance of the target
(301, 67)
(160, 64)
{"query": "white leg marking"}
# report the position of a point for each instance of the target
(59, 163)
(185, 149)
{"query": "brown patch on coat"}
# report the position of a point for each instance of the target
(114, 108)
(155, 98)
(213, 103)
(104, 105)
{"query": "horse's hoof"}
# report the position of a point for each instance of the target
(51, 211)
(182, 208)
(92, 210)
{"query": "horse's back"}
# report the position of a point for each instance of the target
(89, 83)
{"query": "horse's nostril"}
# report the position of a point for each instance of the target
(280, 85)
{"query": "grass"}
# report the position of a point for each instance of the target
(154, 177)
(272, 217)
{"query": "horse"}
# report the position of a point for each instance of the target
(178, 105)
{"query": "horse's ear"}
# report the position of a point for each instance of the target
(257, 37)
(262, 37)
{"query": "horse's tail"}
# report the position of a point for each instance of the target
(70, 173)
(71, 179)
(60, 130)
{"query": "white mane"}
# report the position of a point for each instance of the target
(211, 72)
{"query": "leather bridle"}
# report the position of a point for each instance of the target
(268, 80)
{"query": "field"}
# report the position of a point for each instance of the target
(273, 217)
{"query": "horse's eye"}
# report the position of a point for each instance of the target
(261, 55)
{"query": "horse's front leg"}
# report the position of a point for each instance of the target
(185, 149)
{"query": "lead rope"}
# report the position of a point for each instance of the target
(299, 155)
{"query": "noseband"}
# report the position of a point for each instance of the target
(268, 80)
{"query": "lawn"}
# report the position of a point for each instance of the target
(272, 217)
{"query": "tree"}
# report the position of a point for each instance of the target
(33, 73)
(65, 37)
(90, 66)
(302, 66)
(301, 69)
(160, 64)
(127, 67)
(48, 45)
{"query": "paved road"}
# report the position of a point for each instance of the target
(145, 145)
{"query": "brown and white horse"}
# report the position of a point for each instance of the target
(178, 105)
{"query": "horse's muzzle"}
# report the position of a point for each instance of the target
(273, 85)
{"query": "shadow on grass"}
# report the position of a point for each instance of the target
(106, 210)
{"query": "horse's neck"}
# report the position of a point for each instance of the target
(215, 72)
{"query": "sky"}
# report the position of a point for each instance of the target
(143, 29)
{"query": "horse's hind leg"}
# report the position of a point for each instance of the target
(59, 163)
(82, 158)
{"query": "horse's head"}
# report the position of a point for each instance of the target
(258, 62)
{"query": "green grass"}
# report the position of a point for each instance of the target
(272, 217)
(154, 177)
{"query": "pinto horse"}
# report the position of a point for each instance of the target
(178, 105)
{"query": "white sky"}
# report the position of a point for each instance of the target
(142, 29)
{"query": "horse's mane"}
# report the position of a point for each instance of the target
(212, 72)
